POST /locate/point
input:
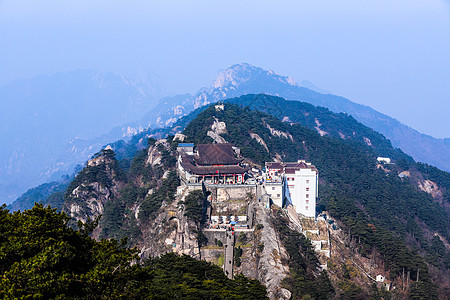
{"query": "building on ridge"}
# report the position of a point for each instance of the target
(293, 183)
(211, 164)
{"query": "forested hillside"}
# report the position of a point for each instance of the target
(132, 186)
(382, 211)
(42, 258)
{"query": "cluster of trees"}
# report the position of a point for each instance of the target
(51, 193)
(41, 258)
(103, 173)
(134, 177)
(165, 193)
(379, 209)
(240, 122)
(303, 264)
(334, 124)
(195, 205)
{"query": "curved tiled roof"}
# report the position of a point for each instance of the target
(216, 154)
(188, 165)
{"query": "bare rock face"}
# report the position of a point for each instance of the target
(430, 187)
(98, 183)
(271, 270)
(154, 156)
(217, 138)
(279, 133)
(158, 235)
(95, 196)
(170, 231)
(259, 140)
(217, 128)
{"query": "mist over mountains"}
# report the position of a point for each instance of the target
(242, 79)
(43, 116)
(51, 124)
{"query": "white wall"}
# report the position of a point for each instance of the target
(302, 190)
(276, 193)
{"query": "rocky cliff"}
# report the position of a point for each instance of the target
(142, 199)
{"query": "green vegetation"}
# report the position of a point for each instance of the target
(237, 256)
(103, 173)
(303, 263)
(379, 210)
(41, 258)
(242, 238)
(442, 178)
(48, 193)
(195, 206)
(114, 224)
(334, 124)
(139, 168)
(166, 192)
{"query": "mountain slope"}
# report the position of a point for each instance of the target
(244, 79)
(367, 200)
(379, 209)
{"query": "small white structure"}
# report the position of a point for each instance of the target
(275, 191)
(380, 278)
(186, 148)
(384, 160)
(242, 218)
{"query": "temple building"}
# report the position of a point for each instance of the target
(211, 164)
(293, 183)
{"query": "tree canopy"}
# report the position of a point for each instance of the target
(41, 257)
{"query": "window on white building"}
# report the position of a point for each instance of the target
(306, 207)
(307, 181)
(307, 201)
(278, 195)
(307, 195)
(273, 188)
(307, 189)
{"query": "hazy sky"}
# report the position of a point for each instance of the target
(391, 55)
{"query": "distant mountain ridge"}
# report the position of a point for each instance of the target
(41, 115)
(53, 160)
(134, 191)
(242, 79)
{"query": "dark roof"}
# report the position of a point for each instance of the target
(216, 154)
(290, 167)
(274, 165)
(290, 170)
(187, 163)
(298, 165)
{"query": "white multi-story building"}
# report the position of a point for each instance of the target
(300, 185)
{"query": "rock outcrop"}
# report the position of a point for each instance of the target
(98, 183)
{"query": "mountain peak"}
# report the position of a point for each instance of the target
(242, 77)
(237, 74)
